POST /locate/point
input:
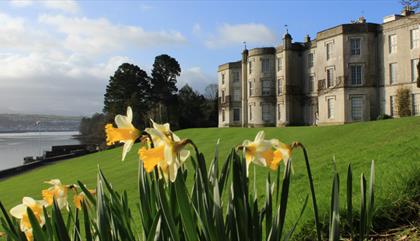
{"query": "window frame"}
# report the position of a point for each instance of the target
(355, 51)
(266, 109)
(414, 43)
(279, 86)
(329, 49)
(265, 65)
(393, 73)
(330, 111)
(414, 73)
(238, 110)
(392, 43)
(310, 60)
(355, 82)
(353, 111)
(330, 81)
(266, 90)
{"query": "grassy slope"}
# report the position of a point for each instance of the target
(393, 144)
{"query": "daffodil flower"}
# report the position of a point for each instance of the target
(125, 132)
(20, 212)
(167, 153)
(57, 191)
(259, 151)
(282, 152)
(79, 198)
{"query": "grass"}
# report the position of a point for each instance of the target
(393, 144)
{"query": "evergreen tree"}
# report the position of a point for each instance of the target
(191, 108)
(129, 86)
(164, 78)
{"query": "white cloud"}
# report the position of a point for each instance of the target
(69, 6)
(252, 33)
(196, 28)
(61, 65)
(195, 78)
(95, 36)
(21, 3)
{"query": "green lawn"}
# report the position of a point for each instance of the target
(393, 144)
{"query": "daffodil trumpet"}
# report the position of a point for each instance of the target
(125, 132)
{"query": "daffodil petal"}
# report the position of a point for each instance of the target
(123, 122)
(126, 148)
(129, 114)
(18, 211)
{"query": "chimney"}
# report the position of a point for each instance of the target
(307, 39)
(407, 11)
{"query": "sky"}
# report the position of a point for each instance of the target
(56, 57)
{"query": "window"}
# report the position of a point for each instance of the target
(223, 79)
(392, 73)
(392, 43)
(265, 65)
(251, 90)
(236, 114)
(279, 63)
(250, 67)
(392, 105)
(356, 108)
(310, 60)
(223, 115)
(266, 87)
(329, 49)
(356, 74)
(278, 112)
(236, 95)
(311, 83)
(235, 76)
(223, 96)
(414, 73)
(330, 77)
(355, 46)
(250, 112)
(415, 38)
(330, 106)
(279, 86)
(416, 104)
(266, 112)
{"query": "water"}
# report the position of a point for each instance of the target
(15, 146)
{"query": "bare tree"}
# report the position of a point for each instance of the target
(410, 4)
(210, 92)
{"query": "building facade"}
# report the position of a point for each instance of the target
(349, 73)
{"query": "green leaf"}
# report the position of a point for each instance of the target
(362, 227)
(335, 214)
(86, 221)
(154, 233)
(371, 201)
(60, 227)
(290, 233)
(184, 205)
(350, 198)
(36, 227)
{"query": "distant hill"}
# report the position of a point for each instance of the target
(26, 123)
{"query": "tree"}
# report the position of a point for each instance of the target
(92, 129)
(191, 108)
(403, 102)
(130, 86)
(210, 92)
(164, 78)
(410, 4)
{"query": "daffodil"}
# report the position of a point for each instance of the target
(259, 151)
(282, 152)
(20, 212)
(57, 191)
(79, 198)
(125, 132)
(167, 153)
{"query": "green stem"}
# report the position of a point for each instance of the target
(311, 185)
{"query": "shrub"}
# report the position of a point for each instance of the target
(403, 102)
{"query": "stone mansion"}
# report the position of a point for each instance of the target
(349, 73)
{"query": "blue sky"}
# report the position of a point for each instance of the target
(56, 56)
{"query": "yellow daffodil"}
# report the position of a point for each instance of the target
(282, 152)
(79, 198)
(168, 152)
(57, 191)
(125, 132)
(20, 212)
(259, 151)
